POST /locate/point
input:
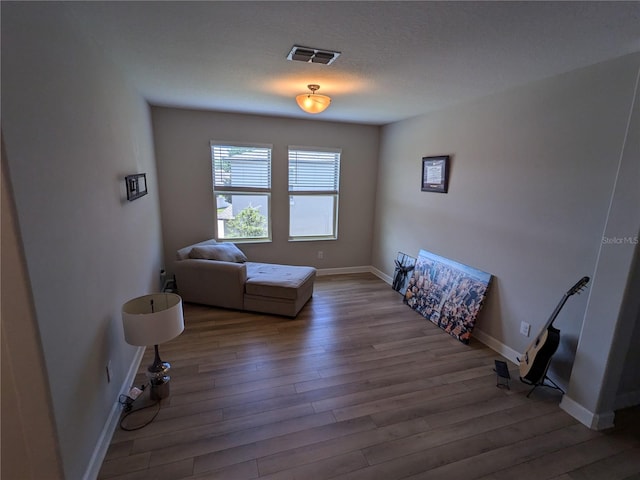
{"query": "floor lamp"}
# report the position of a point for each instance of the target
(151, 320)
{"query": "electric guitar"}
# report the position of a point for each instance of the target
(536, 359)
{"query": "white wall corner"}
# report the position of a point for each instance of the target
(381, 275)
(102, 445)
(594, 421)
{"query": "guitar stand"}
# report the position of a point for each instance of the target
(502, 374)
(541, 383)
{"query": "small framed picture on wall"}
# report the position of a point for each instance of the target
(136, 185)
(435, 174)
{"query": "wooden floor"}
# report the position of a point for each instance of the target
(358, 386)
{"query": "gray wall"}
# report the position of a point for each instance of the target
(533, 174)
(29, 443)
(629, 386)
(606, 335)
(184, 172)
(73, 127)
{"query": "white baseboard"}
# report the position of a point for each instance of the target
(362, 269)
(495, 345)
(102, 445)
(595, 421)
(343, 271)
(381, 275)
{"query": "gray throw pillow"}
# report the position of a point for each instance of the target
(226, 252)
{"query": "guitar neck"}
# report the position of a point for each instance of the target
(575, 289)
(555, 313)
(535, 361)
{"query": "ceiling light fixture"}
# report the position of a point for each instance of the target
(313, 102)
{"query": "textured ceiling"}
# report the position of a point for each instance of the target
(399, 59)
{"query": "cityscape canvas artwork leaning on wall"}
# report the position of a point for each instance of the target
(447, 293)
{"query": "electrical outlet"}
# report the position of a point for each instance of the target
(109, 373)
(320, 254)
(525, 328)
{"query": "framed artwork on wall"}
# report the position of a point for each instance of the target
(435, 174)
(136, 185)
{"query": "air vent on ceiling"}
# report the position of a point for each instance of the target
(312, 55)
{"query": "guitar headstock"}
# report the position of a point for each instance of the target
(579, 286)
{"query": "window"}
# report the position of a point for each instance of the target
(242, 191)
(314, 175)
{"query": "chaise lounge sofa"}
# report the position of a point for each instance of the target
(218, 274)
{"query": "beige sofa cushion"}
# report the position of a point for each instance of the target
(225, 252)
(209, 282)
(277, 281)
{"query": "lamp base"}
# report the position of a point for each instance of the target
(160, 390)
(158, 377)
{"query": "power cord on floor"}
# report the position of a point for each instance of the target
(127, 404)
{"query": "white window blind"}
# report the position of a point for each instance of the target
(311, 170)
(241, 166)
(242, 190)
(314, 179)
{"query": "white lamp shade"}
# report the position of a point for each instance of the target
(143, 327)
(313, 102)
